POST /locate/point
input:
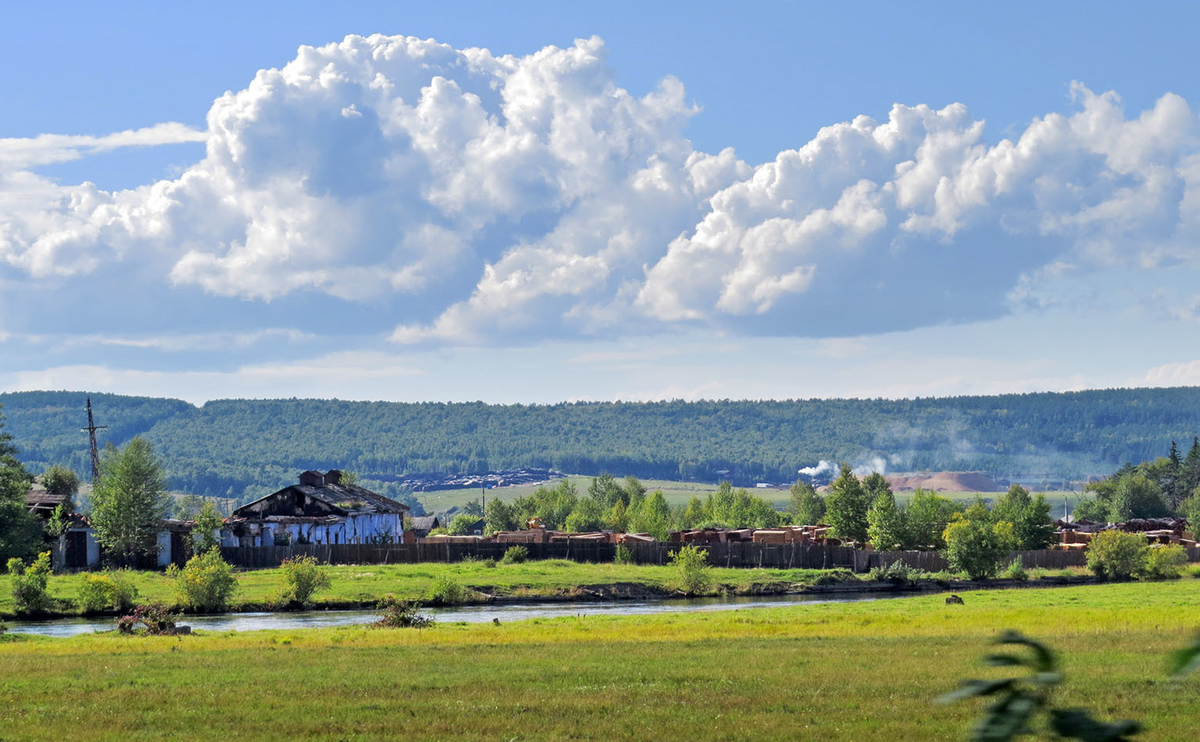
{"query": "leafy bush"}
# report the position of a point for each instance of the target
(401, 614)
(623, 555)
(976, 544)
(446, 591)
(1193, 571)
(1015, 570)
(303, 576)
(29, 584)
(836, 577)
(155, 617)
(897, 573)
(515, 555)
(106, 590)
(1163, 563)
(691, 565)
(1116, 555)
(205, 583)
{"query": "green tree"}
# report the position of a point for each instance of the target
(59, 480)
(875, 484)
(1173, 483)
(499, 516)
(886, 523)
(19, 529)
(129, 501)
(653, 517)
(204, 532)
(846, 507)
(807, 508)
(461, 525)
(1190, 509)
(977, 543)
(605, 490)
(587, 516)
(1116, 555)
(927, 516)
(1191, 467)
(618, 517)
(1030, 517)
(1137, 496)
(693, 514)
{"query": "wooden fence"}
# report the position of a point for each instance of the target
(776, 556)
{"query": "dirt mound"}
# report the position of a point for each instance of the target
(944, 481)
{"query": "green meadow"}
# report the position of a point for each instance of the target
(369, 583)
(861, 671)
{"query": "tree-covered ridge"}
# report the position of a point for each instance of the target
(227, 446)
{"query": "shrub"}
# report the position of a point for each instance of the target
(623, 555)
(1163, 563)
(205, 583)
(836, 577)
(106, 590)
(1015, 570)
(446, 591)
(401, 614)
(1194, 571)
(154, 616)
(29, 584)
(1116, 555)
(303, 576)
(977, 545)
(515, 555)
(897, 573)
(691, 565)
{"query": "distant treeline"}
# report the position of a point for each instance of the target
(245, 447)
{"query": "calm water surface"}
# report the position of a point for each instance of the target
(469, 614)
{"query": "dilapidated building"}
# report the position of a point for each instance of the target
(320, 509)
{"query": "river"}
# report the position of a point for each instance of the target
(64, 627)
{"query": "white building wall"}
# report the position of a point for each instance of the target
(164, 548)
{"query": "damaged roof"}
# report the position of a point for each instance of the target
(314, 498)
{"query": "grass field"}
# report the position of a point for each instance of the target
(369, 583)
(863, 671)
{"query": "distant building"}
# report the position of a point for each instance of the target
(317, 510)
(423, 524)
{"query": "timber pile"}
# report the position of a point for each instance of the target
(1077, 536)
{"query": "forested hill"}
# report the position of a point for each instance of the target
(227, 446)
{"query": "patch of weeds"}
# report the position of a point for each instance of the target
(446, 591)
(1015, 571)
(835, 577)
(401, 614)
(515, 555)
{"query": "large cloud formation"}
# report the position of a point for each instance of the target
(518, 197)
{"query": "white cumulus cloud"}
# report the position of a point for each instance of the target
(511, 197)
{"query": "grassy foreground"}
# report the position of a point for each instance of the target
(862, 671)
(369, 583)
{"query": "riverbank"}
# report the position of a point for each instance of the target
(355, 587)
(835, 671)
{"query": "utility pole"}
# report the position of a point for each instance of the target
(91, 431)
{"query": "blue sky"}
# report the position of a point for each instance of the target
(566, 201)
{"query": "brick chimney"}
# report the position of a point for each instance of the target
(334, 476)
(312, 478)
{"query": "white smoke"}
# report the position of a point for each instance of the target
(875, 465)
(821, 467)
